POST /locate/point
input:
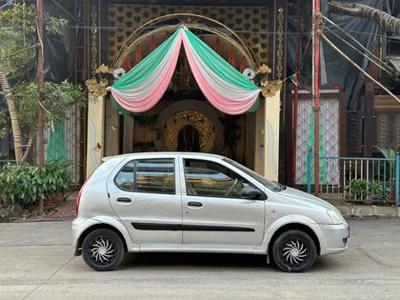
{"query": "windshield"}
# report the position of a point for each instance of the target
(273, 186)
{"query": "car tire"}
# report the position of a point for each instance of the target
(103, 250)
(294, 251)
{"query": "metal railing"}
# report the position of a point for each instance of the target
(356, 179)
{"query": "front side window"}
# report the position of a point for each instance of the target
(209, 179)
(147, 176)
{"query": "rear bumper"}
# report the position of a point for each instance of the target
(79, 225)
(334, 238)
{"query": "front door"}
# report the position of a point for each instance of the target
(214, 212)
(144, 194)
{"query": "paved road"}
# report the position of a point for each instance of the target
(36, 262)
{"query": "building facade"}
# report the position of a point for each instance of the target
(248, 36)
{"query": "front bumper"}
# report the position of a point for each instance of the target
(334, 238)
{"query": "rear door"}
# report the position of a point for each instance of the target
(145, 194)
(214, 213)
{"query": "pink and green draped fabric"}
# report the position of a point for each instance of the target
(225, 87)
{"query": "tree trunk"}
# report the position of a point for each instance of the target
(27, 150)
(16, 130)
(385, 21)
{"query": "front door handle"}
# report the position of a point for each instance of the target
(124, 200)
(195, 204)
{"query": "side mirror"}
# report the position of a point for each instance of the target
(252, 193)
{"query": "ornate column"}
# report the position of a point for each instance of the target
(279, 73)
(97, 90)
(95, 134)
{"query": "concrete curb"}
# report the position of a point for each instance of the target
(362, 211)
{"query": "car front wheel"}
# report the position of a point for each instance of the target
(294, 251)
(103, 250)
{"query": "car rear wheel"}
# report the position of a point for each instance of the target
(294, 251)
(103, 250)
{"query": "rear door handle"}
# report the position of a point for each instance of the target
(195, 204)
(124, 200)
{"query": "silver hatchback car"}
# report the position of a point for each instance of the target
(196, 202)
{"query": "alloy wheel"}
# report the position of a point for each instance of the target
(295, 252)
(102, 250)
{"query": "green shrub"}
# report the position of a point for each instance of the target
(24, 183)
(360, 189)
(378, 193)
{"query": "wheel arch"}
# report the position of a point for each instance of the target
(291, 226)
(94, 227)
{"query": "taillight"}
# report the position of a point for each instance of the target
(78, 199)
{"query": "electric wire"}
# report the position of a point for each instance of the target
(330, 43)
(351, 37)
(379, 63)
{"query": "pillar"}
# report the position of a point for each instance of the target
(128, 134)
(267, 138)
(95, 134)
(111, 130)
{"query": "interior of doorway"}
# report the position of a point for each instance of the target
(188, 139)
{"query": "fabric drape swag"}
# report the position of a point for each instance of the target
(225, 87)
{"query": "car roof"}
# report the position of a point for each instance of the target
(163, 153)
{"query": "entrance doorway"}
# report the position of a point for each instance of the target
(181, 125)
(250, 138)
(183, 120)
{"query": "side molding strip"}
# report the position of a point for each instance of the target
(176, 227)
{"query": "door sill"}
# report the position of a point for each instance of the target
(199, 248)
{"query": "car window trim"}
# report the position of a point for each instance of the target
(118, 171)
(212, 161)
(134, 176)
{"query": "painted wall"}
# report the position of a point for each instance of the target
(95, 135)
(267, 138)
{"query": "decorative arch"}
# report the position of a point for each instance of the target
(224, 86)
(169, 23)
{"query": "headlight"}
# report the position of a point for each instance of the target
(335, 217)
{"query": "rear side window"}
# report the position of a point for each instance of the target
(126, 177)
(147, 176)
